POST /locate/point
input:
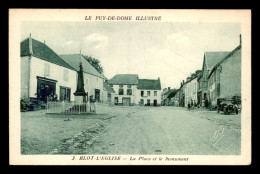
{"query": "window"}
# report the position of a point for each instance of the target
(142, 93)
(129, 86)
(129, 91)
(86, 81)
(64, 94)
(121, 91)
(46, 69)
(155, 93)
(65, 75)
(148, 93)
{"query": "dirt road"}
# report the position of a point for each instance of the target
(170, 130)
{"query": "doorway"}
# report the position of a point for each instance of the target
(46, 89)
(126, 101)
(155, 103)
(116, 100)
(148, 102)
(142, 102)
(97, 95)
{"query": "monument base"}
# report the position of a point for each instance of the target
(79, 99)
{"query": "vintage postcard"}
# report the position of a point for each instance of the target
(129, 87)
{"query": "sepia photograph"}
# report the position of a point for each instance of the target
(130, 87)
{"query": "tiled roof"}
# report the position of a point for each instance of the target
(212, 58)
(75, 59)
(124, 79)
(42, 51)
(108, 88)
(149, 84)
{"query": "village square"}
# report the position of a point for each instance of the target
(69, 106)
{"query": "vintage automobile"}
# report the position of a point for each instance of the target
(227, 105)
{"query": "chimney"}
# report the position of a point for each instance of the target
(240, 39)
(30, 45)
(169, 88)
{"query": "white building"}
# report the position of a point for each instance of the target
(44, 73)
(130, 90)
(149, 92)
(191, 90)
(108, 94)
(93, 80)
(125, 87)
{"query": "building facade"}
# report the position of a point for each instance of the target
(191, 91)
(108, 94)
(182, 94)
(149, 92)
(164, 96)
(44, 75)
(225, 78)
(209, 61)
(125, 87)
(93, 80)
(130, 90)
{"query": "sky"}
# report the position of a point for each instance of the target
(171, 51)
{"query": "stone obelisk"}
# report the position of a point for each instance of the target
(80, 94)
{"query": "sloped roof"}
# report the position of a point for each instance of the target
(108, 88)
(238, 48)
(149, 84)
(42, 51)
(164, 92)
(172, 93)
(212, 58)
(124, 79)
(75, 59)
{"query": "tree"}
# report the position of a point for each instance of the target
(95, 63)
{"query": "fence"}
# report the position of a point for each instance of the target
(65, 107)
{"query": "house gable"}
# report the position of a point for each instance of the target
(75, 59)
(42, 51)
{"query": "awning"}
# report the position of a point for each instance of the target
(46, 79)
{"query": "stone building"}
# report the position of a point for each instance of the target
(209, 61)
(225, 77)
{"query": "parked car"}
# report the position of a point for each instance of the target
(227, 105)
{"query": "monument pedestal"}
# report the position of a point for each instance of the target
(79, 99)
